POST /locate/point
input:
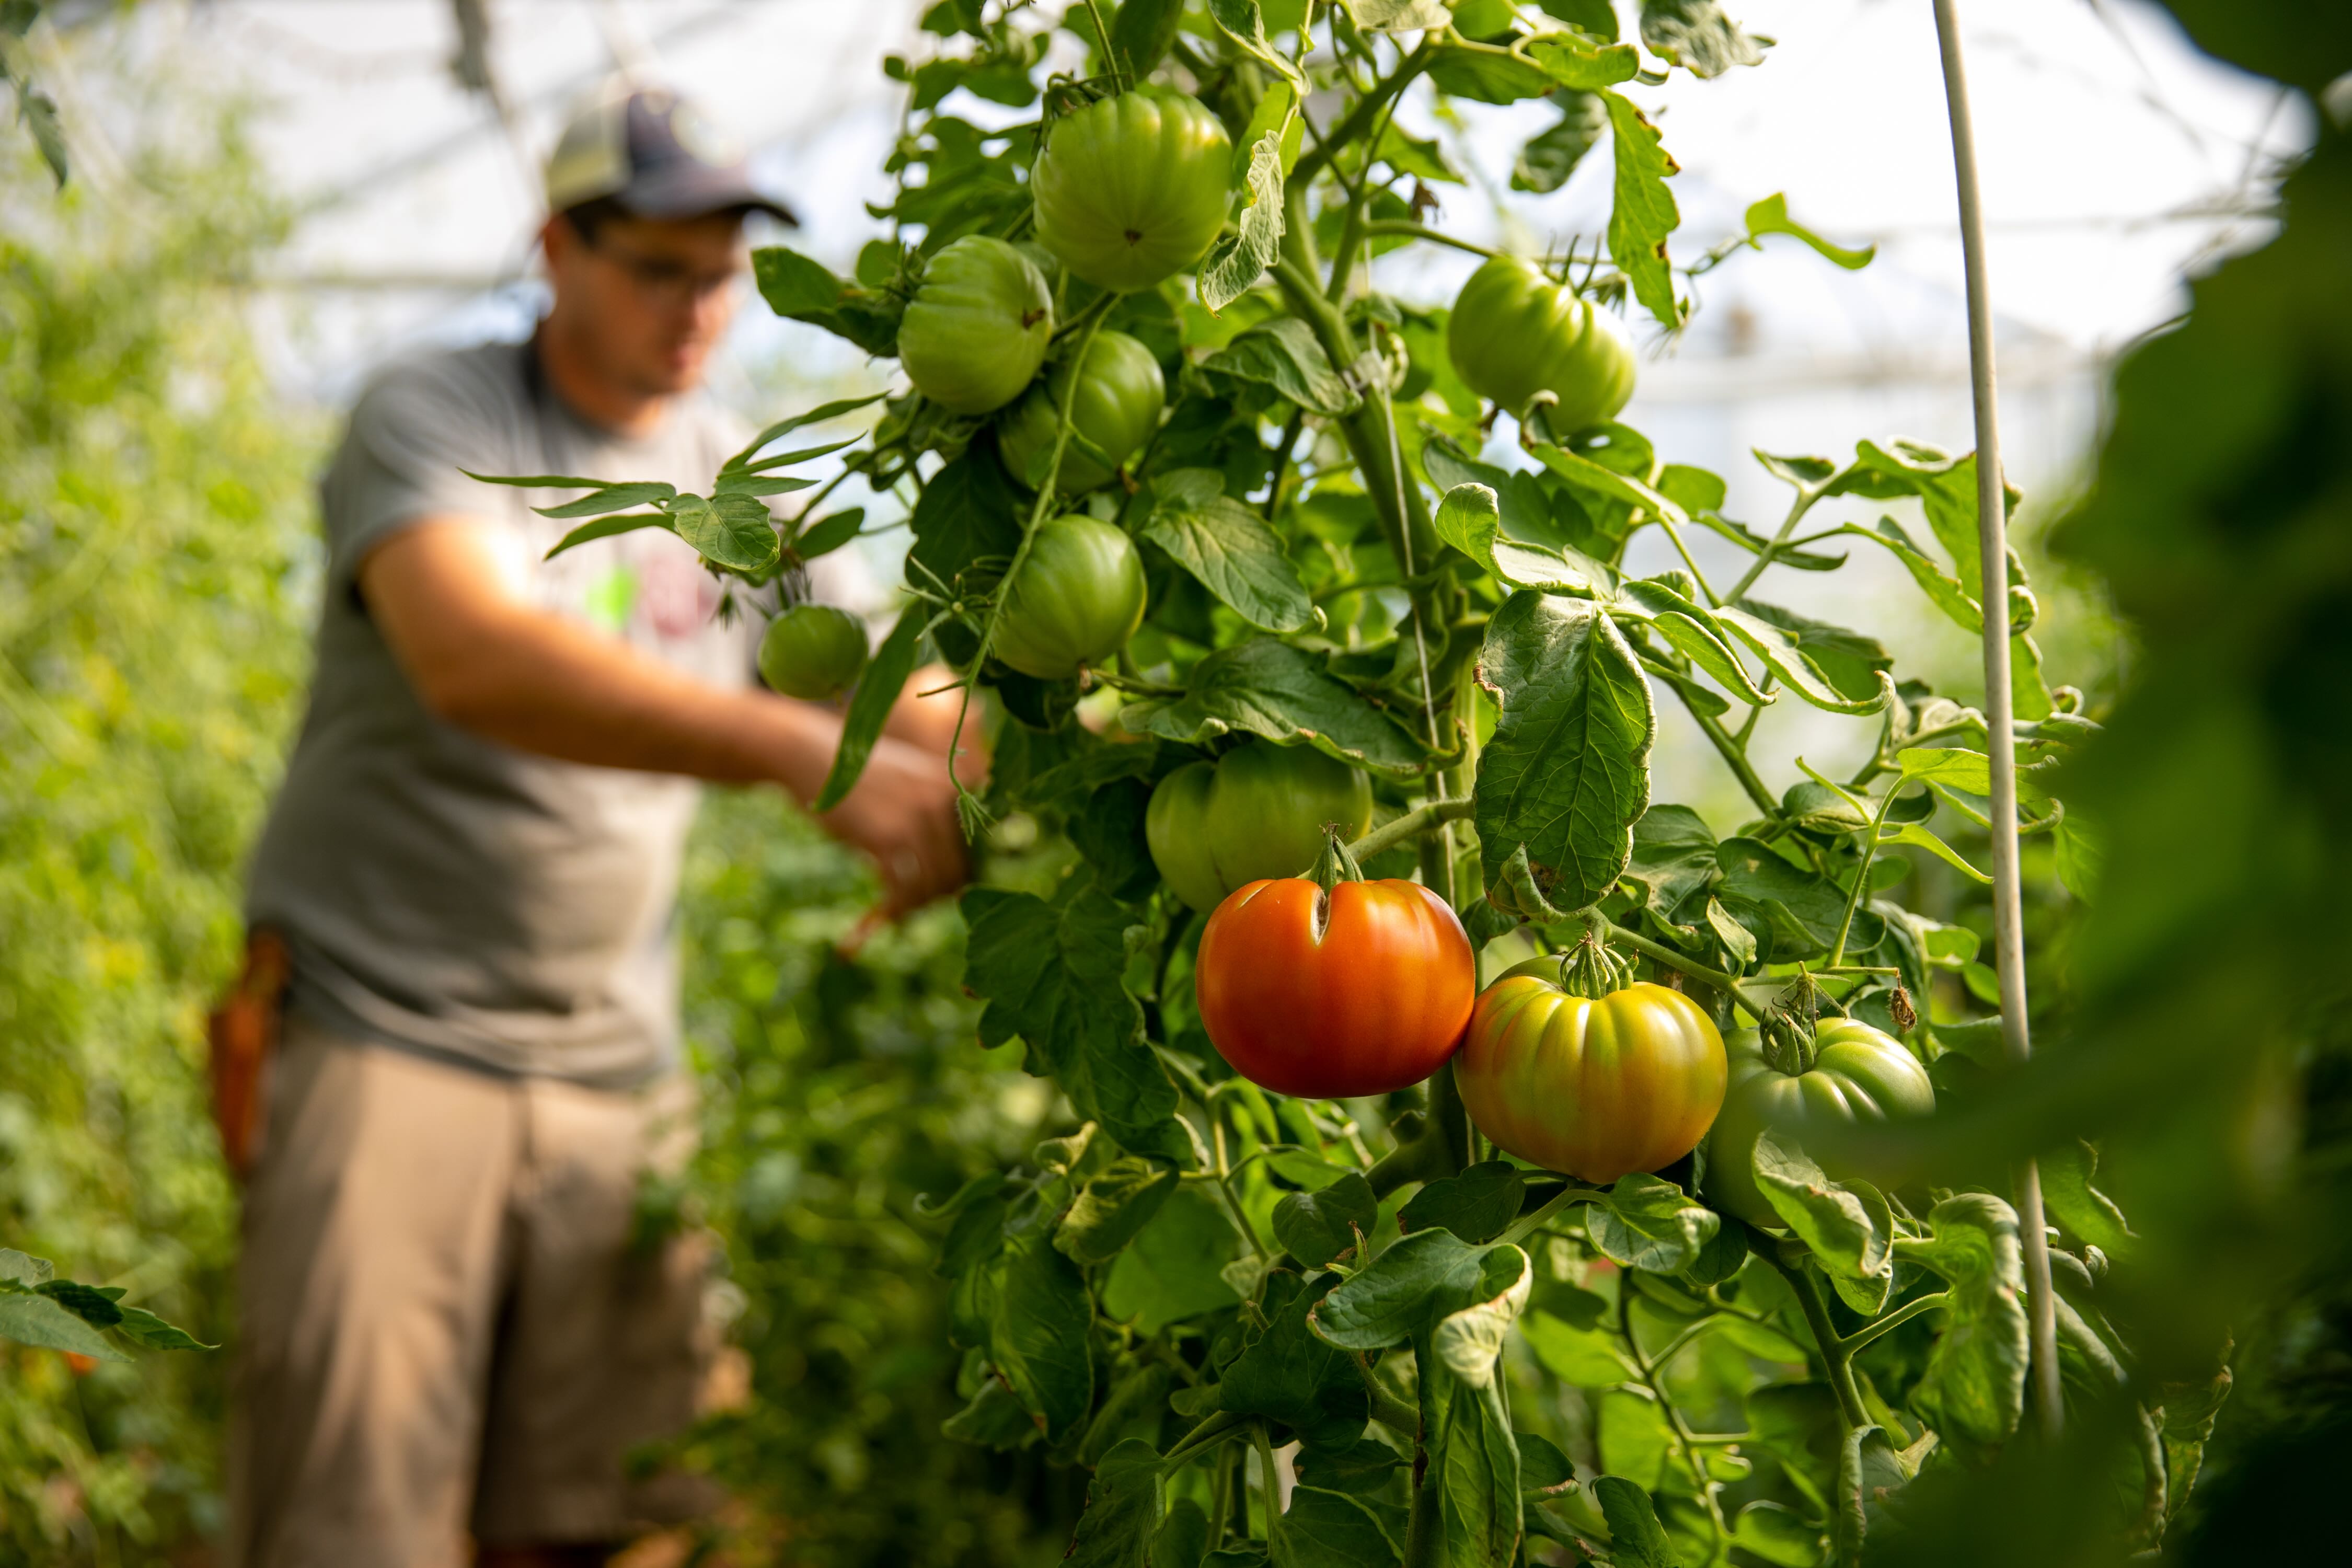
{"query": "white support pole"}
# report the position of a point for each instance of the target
(1992, 544)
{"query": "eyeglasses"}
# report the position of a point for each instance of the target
(663, 281)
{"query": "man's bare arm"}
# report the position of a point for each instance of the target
(481, 657)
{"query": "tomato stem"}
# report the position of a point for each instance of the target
(1419, 820)
(1835, 1356)
(1895, 1318)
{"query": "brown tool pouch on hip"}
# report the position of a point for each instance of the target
(244, 1031)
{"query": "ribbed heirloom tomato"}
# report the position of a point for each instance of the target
(1116, 408)
(1360, 994)
(978, 327)
(1074, 601)
(1513, 332)
(1857, 1074)
(1131, 190)
(1593, 1086)
(1256, 812)
(814, 652)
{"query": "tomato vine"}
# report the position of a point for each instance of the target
(1295, 1330)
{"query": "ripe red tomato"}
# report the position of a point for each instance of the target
(1373, 1001)
(1593, 1089)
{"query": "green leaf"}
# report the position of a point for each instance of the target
(1770, 216)
(1911, 833)
(1474, 1458)
(994, 1419)
(1331, 1530)
(1399, 16)
(1850, 661)
(1674, 858)
(870, 705)
(1410, 1288)
(782, 428)
(1289, 1377)
(1803, 907)
(1946, 488)
(1955, 769)
(1485, 77)
(759, 486)
(1111, 1208)
(827, 534)
(1777, 1534)
(1634, 1440)
(1183, 1539)
(731, 531)
(1241, 21)
(49, 1324)
(1583, 64)
(1232, 266)
(1587, 1358)
(966, 515)
(1362, 1468)
(1544, 1470)
(1548, 158)
(1942, 590)
(1282, 353)
(1478, 1206)
(1783, 652)
(1173, 1270)
(1697, 35)
(805, 290)
(1285, 694)
(1847, 1224)
(91, 1304)
(1140, 36)
(1037, 1337)
(1974, 1386)
(606, 527)
(1644, 213)
(1650, 1224)
(1411, 155)
(1567, 773)
(1274, 116)
(1051, 974)
(609, 498)
(1316, 1227)
(1229, 548)
(1694, 631)
(1122, 1511)
(1636, 1540)
(1470, 520)
(2082, 1208)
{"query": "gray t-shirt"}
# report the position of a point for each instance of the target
(444, 893)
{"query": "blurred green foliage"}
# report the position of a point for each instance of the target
(154, 510)
(836, 1093)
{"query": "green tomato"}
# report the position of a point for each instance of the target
(1256, 812)
(814, 652)
(1116, 408)
(1859, 1075)
(1132, 189)
(1077, 599)
(977, 329)
(1513, 332)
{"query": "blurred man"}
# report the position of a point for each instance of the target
(472, 865)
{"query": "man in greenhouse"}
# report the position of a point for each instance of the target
(469, 874)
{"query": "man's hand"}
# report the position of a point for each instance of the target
(903, 814)
(480, 656)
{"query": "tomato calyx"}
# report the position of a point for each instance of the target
(1790, 1022)
(1591, 971)
(1331, 867)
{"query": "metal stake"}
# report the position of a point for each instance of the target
(1992, 545)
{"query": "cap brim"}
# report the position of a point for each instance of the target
(695, 191)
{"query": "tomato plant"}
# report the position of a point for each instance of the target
(1400, 538)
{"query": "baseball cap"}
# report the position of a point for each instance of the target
(654, 154)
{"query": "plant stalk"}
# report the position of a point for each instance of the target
(2000, 737)
(1419, 820)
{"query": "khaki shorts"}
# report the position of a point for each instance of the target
(445, 1328)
